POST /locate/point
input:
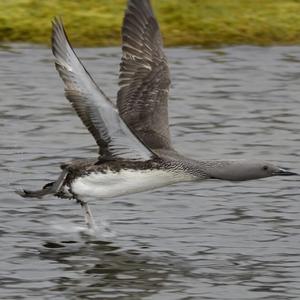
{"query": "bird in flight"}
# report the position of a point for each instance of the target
(133, 136)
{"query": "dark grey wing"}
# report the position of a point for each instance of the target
(144, 77)
(95, 110)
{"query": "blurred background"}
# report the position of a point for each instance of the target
(189, 22)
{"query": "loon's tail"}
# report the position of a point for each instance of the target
(53, 188)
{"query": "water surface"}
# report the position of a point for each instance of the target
(212, 240)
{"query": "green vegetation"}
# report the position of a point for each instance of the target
(183, 22)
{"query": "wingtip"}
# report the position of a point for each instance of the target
(59, 36)
(57, 20)
(57, 26)
(140, 5)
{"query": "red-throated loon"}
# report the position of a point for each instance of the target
(135, 150)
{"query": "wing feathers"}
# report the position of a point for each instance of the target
(144, 77)
(95, 110)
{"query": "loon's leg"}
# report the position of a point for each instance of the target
(89, 220)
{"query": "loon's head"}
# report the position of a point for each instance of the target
(240, 170)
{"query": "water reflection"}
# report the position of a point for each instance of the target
(98, 267)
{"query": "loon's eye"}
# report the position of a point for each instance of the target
(265, 168)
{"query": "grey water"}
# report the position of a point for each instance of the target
(210, 240)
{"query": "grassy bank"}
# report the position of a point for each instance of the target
(188, 22)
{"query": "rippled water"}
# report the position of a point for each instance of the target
(212, 240)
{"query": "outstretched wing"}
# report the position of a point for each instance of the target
(144, 77)
(95, 110)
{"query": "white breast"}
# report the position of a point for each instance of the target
(112, 184)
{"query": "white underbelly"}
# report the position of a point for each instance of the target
(112, 184)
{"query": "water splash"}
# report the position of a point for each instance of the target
(102, 228)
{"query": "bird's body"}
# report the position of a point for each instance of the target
(111, 183)
(133, 136)
(116, 178)
(88, 179)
